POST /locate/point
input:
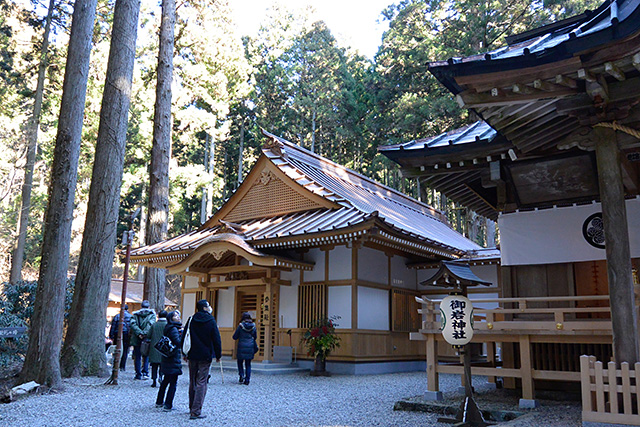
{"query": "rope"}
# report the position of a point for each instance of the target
(621, 128)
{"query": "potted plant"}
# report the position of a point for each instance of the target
(320, 340)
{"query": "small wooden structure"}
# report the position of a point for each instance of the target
(555, 161)
(304, 238)
(610, 395)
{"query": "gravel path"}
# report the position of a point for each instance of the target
(270, 400)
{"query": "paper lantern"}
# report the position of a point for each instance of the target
(456, 313)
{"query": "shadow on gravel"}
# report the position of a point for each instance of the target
(498, 406)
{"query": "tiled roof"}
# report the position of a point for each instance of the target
(361, 199)
(367, 196)
(478, 131)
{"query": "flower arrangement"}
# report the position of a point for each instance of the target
(321, 339)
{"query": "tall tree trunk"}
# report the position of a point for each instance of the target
(241, 153)
(205, 190)
(141, 238)
(211, 170)
(32, 141)
(83, 351)
(313, 130)
(42, 362)
(158, 215)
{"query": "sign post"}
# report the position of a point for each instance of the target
(456, 316)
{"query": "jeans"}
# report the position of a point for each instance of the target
(170, 380)
(156, 371)
(247, 367)
(125, 351)
(198, 375)
(140, 362)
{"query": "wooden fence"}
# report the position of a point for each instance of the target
(609, 395)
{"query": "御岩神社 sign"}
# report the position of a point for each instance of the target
(457, 319)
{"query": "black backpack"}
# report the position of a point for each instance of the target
(165, 346)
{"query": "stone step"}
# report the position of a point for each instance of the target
(262, 368)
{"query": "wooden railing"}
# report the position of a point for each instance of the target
(609, 395)
(520, 325)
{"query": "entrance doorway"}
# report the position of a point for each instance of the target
(263, 311)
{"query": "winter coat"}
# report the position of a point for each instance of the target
(114, 325)
(246, 335)
(141, 322)
(172, 365)
(205, 337)
(157, 330)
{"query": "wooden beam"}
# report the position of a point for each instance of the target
(636, 61)
(587, 75)
(545, 86)
(470, 99)
(614, 71)
(566, 81)
(227, 283)
(232, 269)
(629, 175)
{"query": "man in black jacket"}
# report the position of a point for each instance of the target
(205, 344)
(113, 332)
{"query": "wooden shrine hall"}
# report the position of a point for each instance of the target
(304, 238)
(555, 159)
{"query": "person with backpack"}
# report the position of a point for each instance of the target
(205, 341)
(141, 322)
(155, 357)
(171, 365)
(246, 336)
(113, 334)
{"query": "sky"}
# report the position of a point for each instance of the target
(355, 23)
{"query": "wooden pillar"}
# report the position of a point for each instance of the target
(268, 329)
(616, 234)
(433, 382)
(354, 285)
(526, 368)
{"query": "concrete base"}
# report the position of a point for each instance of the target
(433, 396)
(529, 404)
(373, 368)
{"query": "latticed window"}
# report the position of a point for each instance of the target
(404, 311)
(312, 304)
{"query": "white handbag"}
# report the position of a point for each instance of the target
(186, 344)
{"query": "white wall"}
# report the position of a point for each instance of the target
(340, 263)
(339, 304)
(401, 276)
(226, 304)
(288, 309)
(317, 275)
(188, 306)
(373, 308)
(191, 282)
(373, 266)
(550, 236)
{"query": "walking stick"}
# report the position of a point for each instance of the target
(221, 372)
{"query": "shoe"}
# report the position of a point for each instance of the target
(241, 380)
(145, 377)
(137, 377)
(195, 417)
(159, 405)
(246, 382)
(153, 384)
(168, 409)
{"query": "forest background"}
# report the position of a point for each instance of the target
(293, 79)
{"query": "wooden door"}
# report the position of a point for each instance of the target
(249, 301)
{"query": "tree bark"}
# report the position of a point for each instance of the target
(241, 153)
(83, 351)
(616, 237)
(32, 141)
(491, 233)
(158, 213)
(42, 362)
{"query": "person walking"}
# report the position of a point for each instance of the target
(113, 332)
(155, 357)
(246, 336)
(205, 344)
(171, 366)
(141, 322)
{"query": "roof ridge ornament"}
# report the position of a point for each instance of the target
(275, 146)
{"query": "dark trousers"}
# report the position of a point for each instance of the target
(156, 370)
(125, 351)
(140, 362)
(170, 380)
(198, 375)
(245, 372)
